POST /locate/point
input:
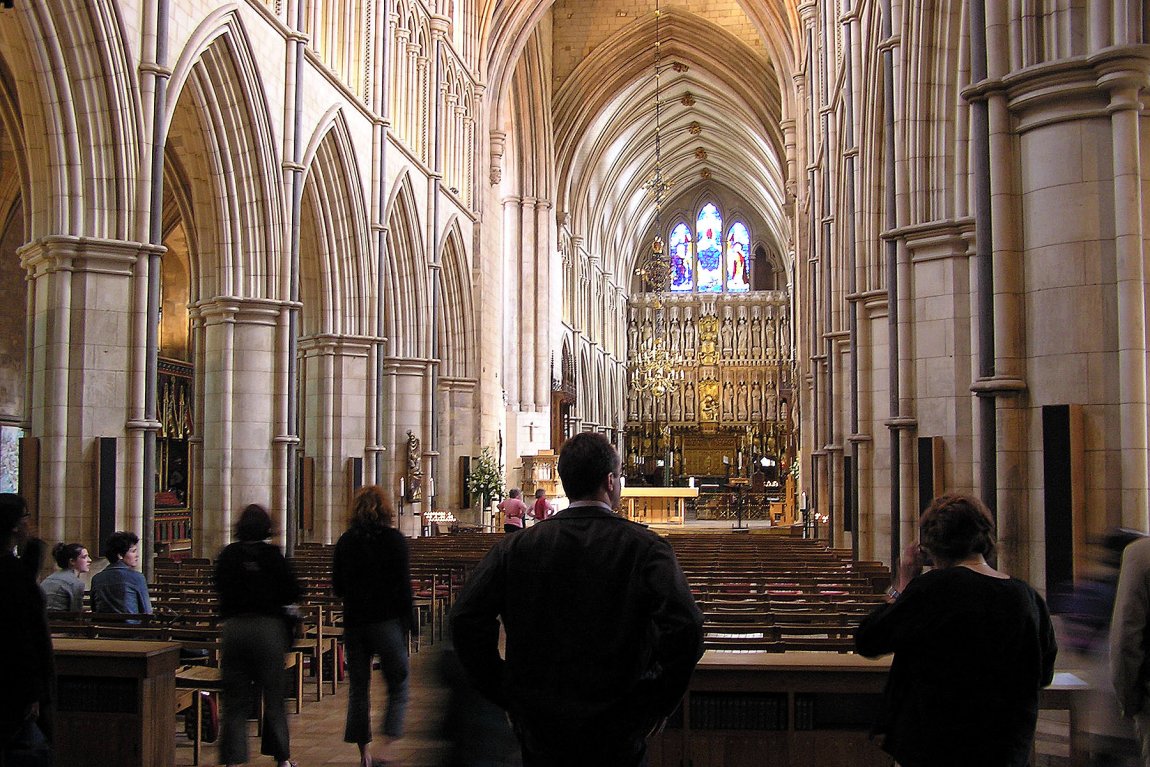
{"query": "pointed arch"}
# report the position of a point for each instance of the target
(219, 118)
(455, 345)
(336, 271)
(88, 123)
(407, 315)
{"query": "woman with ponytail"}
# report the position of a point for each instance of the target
(63, 589)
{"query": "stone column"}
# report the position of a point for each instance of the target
(336, 426)
(239, 360)
(85, 377)
(1125, 76)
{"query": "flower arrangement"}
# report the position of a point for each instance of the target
(486, 479)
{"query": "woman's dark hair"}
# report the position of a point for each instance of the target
(513, 492)
(64, 553)
(371, 511)
(118, 544)
(255, 524)
(956, 526)
(584, 461)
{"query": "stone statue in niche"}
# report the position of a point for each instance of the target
(676, 332)
(784, 338)
(727, 335)
(675, 404)
(769, 337)
(756, 337)
(688, 334)
(756, 400)
(728, 401)
(741, 412)
(647, 329)
(770, 413)
(741, 337)
(689, 402)
(633, 334)
(632, 405)
(414, 489)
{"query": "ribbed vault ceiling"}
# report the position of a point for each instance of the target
(719, 126)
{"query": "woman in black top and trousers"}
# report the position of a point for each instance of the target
(972, 648)
(255, 583)
(371, 572)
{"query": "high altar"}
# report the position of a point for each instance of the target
(729, 420)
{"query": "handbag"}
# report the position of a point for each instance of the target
(27, 747)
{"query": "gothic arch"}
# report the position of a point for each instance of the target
(407, 318)
(456, 342)
(220, 120)
(336, 271)
(505, 27)
(88, 123)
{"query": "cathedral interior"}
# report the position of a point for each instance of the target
(847, 255)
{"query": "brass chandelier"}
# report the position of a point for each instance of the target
(655, 370)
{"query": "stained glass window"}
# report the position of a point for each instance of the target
(682, 271)
(738, 257)
(709, 249)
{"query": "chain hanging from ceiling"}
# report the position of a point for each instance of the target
(655, 368)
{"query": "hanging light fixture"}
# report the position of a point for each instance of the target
(655, 370)
(654, 266)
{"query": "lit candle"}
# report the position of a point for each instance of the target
(401, 488)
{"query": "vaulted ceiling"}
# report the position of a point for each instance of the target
(726, 70)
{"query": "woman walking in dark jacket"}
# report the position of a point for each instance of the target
(255, 583)
(371, 572)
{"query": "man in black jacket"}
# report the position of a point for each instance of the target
(602, 631)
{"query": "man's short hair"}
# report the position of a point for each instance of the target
(584, 461)
(118, 544)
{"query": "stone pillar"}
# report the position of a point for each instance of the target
(512, 300)
(336, 427)
(1124, 76)
(239, 360)
(84, 377)
(546, 316)
(525, 306)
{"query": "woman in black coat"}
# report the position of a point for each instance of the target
(255, 584)
(371, 571)
(972, 648)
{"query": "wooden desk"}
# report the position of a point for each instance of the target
(657, 504)
(800, 708)
(116, 702)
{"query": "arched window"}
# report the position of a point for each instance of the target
(682, 265)
(738, 258)
(705, 261)
(709, 249)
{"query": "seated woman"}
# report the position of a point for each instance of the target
(119, 587)
(63, 589)
(972, 648)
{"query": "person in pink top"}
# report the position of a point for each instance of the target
(543, 508)
(514, 509)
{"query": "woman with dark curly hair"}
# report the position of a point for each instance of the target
(972, 648)
(371, 571)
